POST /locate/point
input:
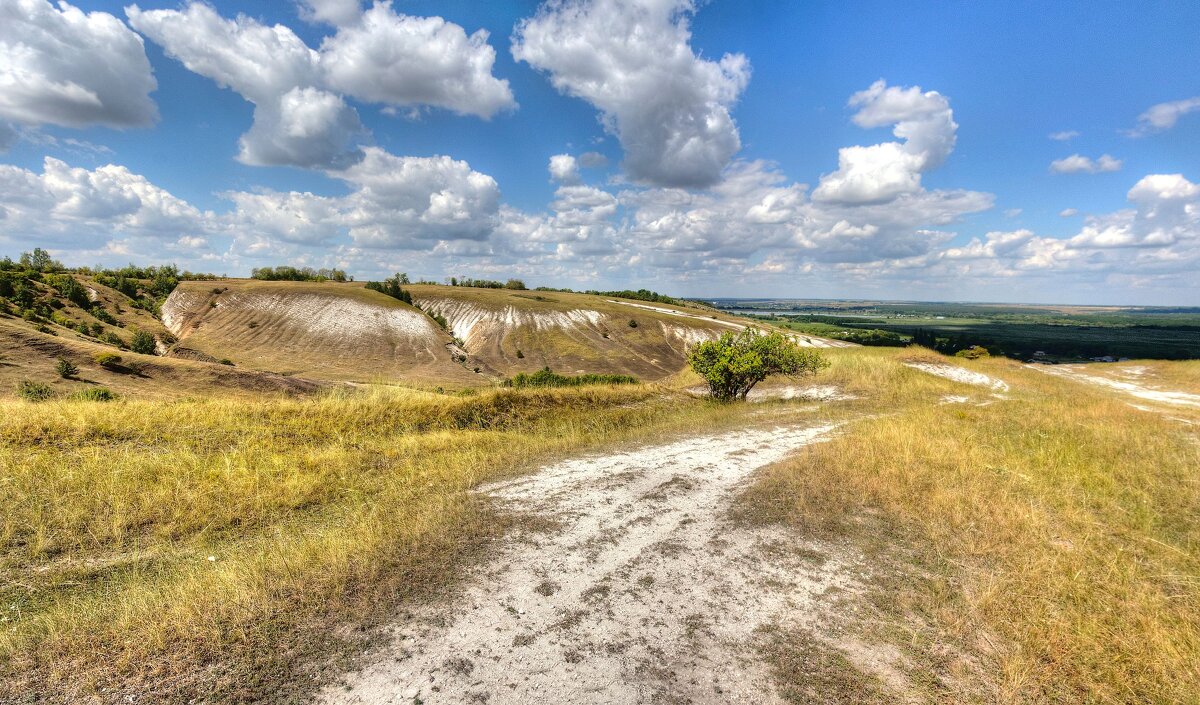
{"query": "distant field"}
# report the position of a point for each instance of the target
(1017, 331)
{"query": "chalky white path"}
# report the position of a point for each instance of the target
(644, 592)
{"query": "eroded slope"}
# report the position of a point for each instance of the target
(327, 330)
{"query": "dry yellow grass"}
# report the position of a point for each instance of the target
(230, 549)
(1047, 540)
(1054, 536)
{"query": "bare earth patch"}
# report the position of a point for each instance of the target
(644, 591)
(1140, 391)
(959, 374)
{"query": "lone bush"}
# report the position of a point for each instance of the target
(142, 343)
(66, 369)
(107, 360)
(974, 352)
(545, 378)
(734, 363)
(95, 394)
(34, 391)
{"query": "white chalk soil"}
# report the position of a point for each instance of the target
(1139, 390)
(642, 591)
(959, 374)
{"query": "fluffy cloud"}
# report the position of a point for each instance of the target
(400, 60)
(1064, 136)
(401, 201)
(1164, 116)
(305, 127)
(883, 172)
(632, 60)
(394, 202)
(300, 116)
(61, 66)
(1154, 241)
(299, 218)
(81, 206)
(564, 168)
(1079, 164)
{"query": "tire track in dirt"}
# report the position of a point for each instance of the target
(643, 591)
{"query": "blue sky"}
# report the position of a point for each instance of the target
(721, 178)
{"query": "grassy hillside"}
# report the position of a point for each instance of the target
(507, 332)
(1039, 547)
(233, 551)
(48, 317)
(32, 356)
(1030, 545)
(343, 331)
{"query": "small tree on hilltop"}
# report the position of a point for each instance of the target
(733, 364)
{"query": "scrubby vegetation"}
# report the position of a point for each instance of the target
(546, 378)
(34, 391)
(107, 360)
(392, 287)
(65, 368)
(142, 343)
(95, 394)
(486, 283)
(639, 295)
(734, 363)
(299, 274)
(36, 286)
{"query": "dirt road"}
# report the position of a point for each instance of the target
(642, 591)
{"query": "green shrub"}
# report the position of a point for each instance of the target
(225, 361)
(95, 394)
(34, 391)
(142, 343)
(102, 314)
(632, 323)
(112, 339)
(545, 378)
(65, 368)
(107, 360)
(391, 287)
(733, 364)
(974, 352)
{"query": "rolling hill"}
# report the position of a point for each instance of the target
(251, 335)
(343, 331)
(329, 331)
(104, 321)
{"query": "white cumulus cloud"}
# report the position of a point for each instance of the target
(80, 206)
(400, 60)
(1079, 164)
(61, 66)
(633, 61)
(300, 116)
(564, 168)
(882, 172)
